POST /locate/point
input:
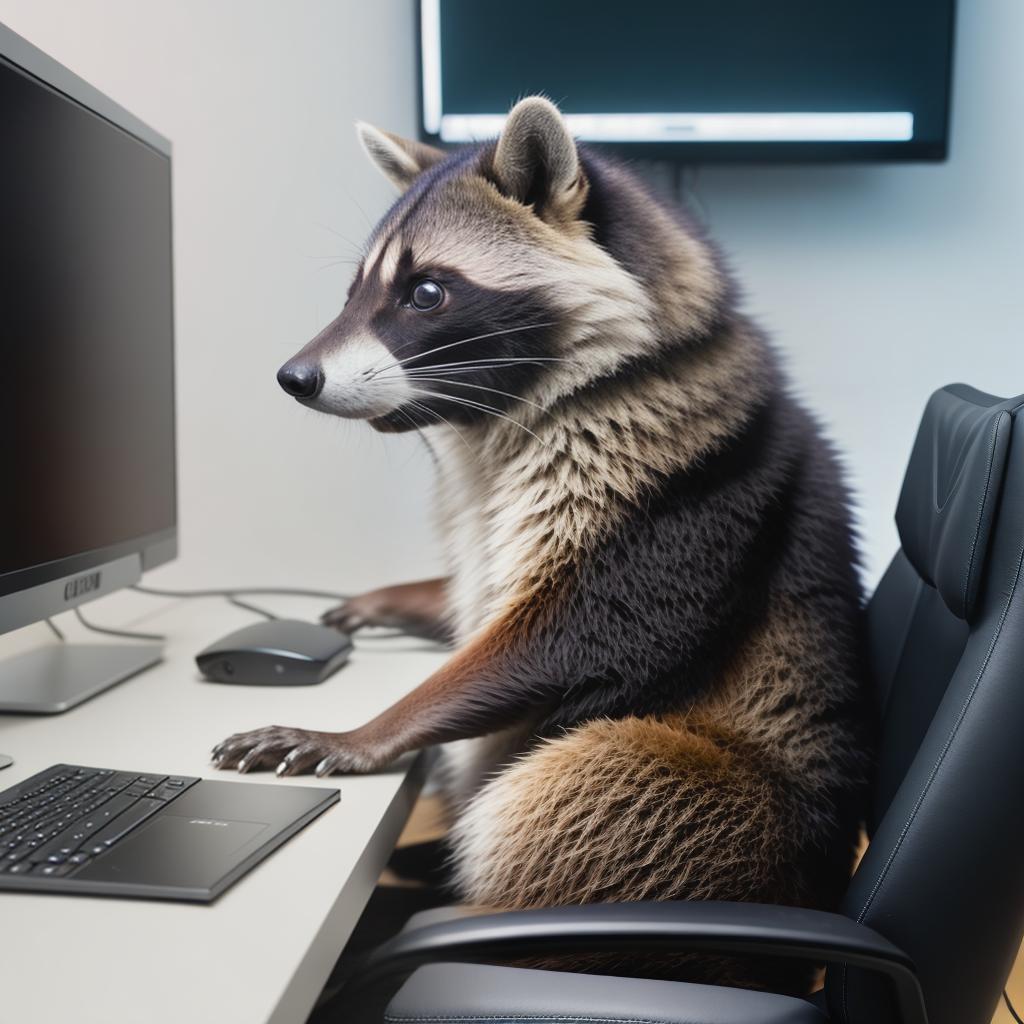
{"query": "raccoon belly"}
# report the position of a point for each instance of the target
(644, 809)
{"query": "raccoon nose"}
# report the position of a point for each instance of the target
(300, 380)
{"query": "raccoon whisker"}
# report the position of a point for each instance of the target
(427, 379)
(463, 341)
(489, 409)
(487, 360)
(469, 365)
(330, 256)
(336, 263)
(408, 419)
(416, 427)
(422, 436)
(433, 412)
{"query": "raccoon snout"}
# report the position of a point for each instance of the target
(301, 379)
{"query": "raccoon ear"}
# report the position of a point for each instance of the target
(536, 160)
(400, 159)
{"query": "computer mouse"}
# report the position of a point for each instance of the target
(278, 652)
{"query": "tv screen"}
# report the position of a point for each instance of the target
(699, 79)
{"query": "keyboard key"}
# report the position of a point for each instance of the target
(75, 835)
(124, 823)
(54, 870)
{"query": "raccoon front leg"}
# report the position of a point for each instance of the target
(484, 687)
(416, 608)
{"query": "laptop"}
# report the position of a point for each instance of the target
(102, 832)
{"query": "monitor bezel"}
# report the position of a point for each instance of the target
(161, 545)
(935, 151)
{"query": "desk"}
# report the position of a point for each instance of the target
(262, 952)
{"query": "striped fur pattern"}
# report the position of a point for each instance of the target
(657, 684)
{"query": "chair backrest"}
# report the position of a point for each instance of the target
(943, 876)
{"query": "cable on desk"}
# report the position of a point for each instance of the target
(234, 591)
(1009, 1006)
(234, 596)
(55, 629)
(239, 603)
(128, 633)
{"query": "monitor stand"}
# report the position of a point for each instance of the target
(51, 679)
(5, 761)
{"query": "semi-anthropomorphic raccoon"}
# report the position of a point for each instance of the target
(652, 586)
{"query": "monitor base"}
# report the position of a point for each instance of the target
(48, 680)
(5, 761)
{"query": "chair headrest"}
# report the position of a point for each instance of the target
(951, 490)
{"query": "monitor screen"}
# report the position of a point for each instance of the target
(87, 456)
(700, 79)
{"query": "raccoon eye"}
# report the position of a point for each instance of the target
(426, 295)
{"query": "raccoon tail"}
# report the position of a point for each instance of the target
(641, 809)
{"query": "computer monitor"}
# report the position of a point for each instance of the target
(700, 80)
(87, 449)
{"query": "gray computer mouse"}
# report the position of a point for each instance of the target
(278, 652)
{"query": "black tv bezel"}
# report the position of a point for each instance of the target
(161, 545)
(748, 152)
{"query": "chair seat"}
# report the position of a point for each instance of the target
(469, 993)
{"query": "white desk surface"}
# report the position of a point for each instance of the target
(264, 949)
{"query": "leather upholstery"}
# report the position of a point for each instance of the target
(916, 643)
(951, 490)
(943, 877)
(468, 993)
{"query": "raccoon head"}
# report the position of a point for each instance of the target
(488, 287)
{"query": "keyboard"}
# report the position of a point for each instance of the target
(103, 832)
(58, 821)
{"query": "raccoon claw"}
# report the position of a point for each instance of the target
(374, 608)
(345, 618)
(294, 752)
(327, 766)
(414, 608)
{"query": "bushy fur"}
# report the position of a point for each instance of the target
(652, 583)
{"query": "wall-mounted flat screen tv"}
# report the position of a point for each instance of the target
(699, 80)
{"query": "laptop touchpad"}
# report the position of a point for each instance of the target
(173, 850)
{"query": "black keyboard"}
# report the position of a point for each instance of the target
(61, 819)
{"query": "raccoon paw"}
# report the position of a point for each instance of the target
(414, 608)
(370, 609)
(295, 752)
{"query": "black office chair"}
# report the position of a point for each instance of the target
(933, 917)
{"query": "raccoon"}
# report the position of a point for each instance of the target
(658, 679)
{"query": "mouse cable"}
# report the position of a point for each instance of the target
(233, 591)
(246, 606)
(1009, 1006)
(55, 629)
(129, 633)
(232, 596)
(235, 594)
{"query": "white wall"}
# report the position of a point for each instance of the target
(880, 283)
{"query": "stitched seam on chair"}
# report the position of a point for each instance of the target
(935, 768)
(981, 509)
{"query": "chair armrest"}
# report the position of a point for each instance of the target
(707, 926)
